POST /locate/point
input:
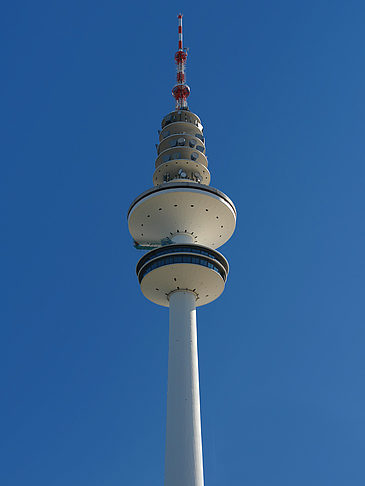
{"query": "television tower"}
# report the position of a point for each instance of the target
(182, 221)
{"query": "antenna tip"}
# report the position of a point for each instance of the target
(180, 16)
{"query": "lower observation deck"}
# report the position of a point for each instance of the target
(204, 212)
(182, 267)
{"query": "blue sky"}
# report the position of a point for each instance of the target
(279, 87)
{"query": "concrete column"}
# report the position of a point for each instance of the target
(184, 457)
(182, 238)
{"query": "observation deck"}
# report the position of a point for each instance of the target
(182, 207)
(182, 267)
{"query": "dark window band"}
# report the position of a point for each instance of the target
(182, 249)
(168, 260)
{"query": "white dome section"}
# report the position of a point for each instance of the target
(159, 283)
(206, 213)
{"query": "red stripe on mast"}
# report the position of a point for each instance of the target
(181, 90)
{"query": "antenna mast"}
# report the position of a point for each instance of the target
(181, 90)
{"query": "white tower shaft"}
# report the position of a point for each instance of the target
(184, 458)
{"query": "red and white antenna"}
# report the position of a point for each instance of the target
(181, 90)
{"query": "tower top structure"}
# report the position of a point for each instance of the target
(181, 90)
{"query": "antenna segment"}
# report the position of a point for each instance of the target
(181, 90)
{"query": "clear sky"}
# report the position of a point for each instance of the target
(279, 87)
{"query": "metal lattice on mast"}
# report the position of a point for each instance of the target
(181, 90)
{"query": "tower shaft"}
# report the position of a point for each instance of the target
(181, 221)
(184, 458)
